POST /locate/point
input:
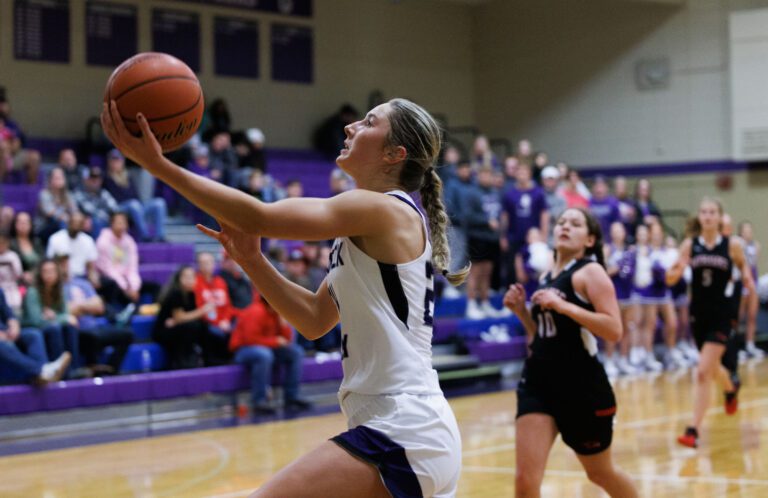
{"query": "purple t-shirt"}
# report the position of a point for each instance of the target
(524, 208)
(606, 211)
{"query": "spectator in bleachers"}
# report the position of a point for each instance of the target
(22, 158)
(73, 241)
(119, 184)
(238, 284)
(259, 340)
(215, 119)
(483, 233)
(296, 269)
(210, 288)
(180, 326)
(11, 272)
(482, 154)
(540, 161)
(94, 201)
(7, 213)
(340, 182)
(26, 245)
(249, 147)
(74, 172)
(510, 172)
(224, 164)
(550, 181)
(118, 259)
(55, 205)
(260, 187)
(317, 271)
(604, 206)
(456, 192)
(447, 170)
(647, 210)
(525, 151)
(45, 308)
(22, 351)
(201, 162)
(94, 333)
(524, 206)
(294, 189)
(572, 192)
(627, 208)
(329, 137)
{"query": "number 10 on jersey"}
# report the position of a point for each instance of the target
(546, 325)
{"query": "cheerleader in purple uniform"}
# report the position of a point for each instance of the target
(620, 262)
(533, 260)
(685, 346)
(750, 302)
(652, 293)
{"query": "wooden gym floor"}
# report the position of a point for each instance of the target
(229, 463)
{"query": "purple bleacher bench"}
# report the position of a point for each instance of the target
(486, 352)
(153, 386)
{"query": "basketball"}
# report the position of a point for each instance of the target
(165, 90)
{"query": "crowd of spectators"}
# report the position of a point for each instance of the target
(69, 271)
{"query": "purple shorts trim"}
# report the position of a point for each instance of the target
(387, 456)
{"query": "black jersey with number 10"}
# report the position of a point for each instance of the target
(559, 337)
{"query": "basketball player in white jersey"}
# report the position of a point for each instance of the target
(403, 440)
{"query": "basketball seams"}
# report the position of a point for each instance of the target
(143, 83)
(163, 118)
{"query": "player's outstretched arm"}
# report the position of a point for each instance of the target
(312, 314)
(355, 213)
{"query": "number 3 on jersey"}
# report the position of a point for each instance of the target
(546, 325)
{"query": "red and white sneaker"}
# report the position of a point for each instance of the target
(690, 438)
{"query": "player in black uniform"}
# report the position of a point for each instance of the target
(712, 257)
(564, 387)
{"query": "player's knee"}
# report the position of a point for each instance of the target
(601, 477)
(704, 374)
(527, 483)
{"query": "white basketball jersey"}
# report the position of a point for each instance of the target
(386, 319)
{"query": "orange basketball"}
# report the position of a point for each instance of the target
(165, 90)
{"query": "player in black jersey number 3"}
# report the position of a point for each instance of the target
(563, 386)
(712, 257)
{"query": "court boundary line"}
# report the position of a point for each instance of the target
(639, 477)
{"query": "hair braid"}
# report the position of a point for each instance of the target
(432, 199)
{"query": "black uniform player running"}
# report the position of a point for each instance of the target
(712, 257)
(564, 387)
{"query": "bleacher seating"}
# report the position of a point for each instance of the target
(158, 261)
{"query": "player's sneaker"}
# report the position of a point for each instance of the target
(732, 398)
(690, 438)
(753, 351)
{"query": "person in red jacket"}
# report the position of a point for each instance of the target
(210, 288)
(260, 338)
(212, 293)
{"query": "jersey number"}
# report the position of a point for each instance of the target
(706, 277)
(547, 325)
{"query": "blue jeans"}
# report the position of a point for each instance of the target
(154, 212)
(260, 359)
(24, 358)
(60, 338)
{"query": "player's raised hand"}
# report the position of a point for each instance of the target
(241, 246)
(143, 150)
(547, 299)
(514, 299)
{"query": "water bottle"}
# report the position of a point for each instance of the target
(146, 361)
